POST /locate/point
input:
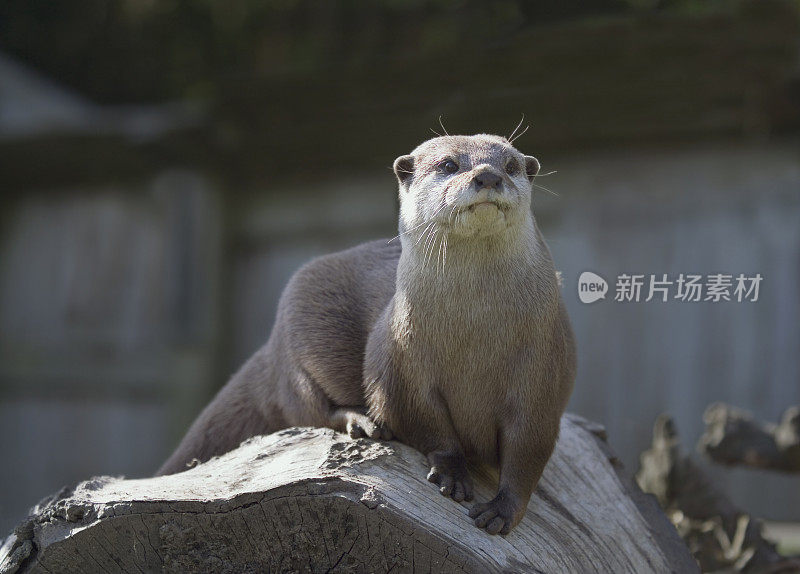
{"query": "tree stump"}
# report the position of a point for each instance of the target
(312, 500)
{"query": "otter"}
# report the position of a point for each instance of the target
(454, 339)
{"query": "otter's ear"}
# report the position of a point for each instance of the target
(404, 168)
(532, 166)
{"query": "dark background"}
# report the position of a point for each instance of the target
(165, 166)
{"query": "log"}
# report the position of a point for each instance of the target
(734, 437)
(312, 500)
(720, 535)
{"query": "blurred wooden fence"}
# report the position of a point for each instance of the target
(122, 309)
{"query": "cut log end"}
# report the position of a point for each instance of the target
(310, 500)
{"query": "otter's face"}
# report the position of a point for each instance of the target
(465, 185)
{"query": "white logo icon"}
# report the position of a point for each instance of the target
(591, 287)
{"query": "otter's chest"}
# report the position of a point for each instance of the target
(471, 332)
(470, 356)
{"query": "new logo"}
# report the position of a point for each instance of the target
(591, 287)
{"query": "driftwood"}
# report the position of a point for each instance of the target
(721, 536)
(312, 500)
(733, 437)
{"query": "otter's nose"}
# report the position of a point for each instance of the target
(487, 179)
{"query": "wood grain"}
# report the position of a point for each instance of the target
(312, 500)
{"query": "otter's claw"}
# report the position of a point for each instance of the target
(498, 516)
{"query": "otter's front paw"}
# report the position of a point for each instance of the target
(360, 425)
(499, 515)
(449, 471)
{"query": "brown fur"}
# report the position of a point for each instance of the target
(454, 338)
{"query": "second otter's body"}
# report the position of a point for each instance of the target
(456, 340)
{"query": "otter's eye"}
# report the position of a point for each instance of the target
(449, 166)
(512, 167)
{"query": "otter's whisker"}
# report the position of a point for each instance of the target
(444, 129)
(425, 246)
(439, 210)
(429, 245)
(444, 256)
(391, 168)
(545, 189)
(442, 252)
(434, 237)
(520, 134)
(430, 231)
(443, 242)
(511, 137)
(407, 231)
(453, 218)
(439, 252)
(438, 256)
(452, 213)
(424, 233)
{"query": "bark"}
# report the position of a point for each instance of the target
(312, 500)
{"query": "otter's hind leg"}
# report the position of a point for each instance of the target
(356, 423)
(312, 403)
